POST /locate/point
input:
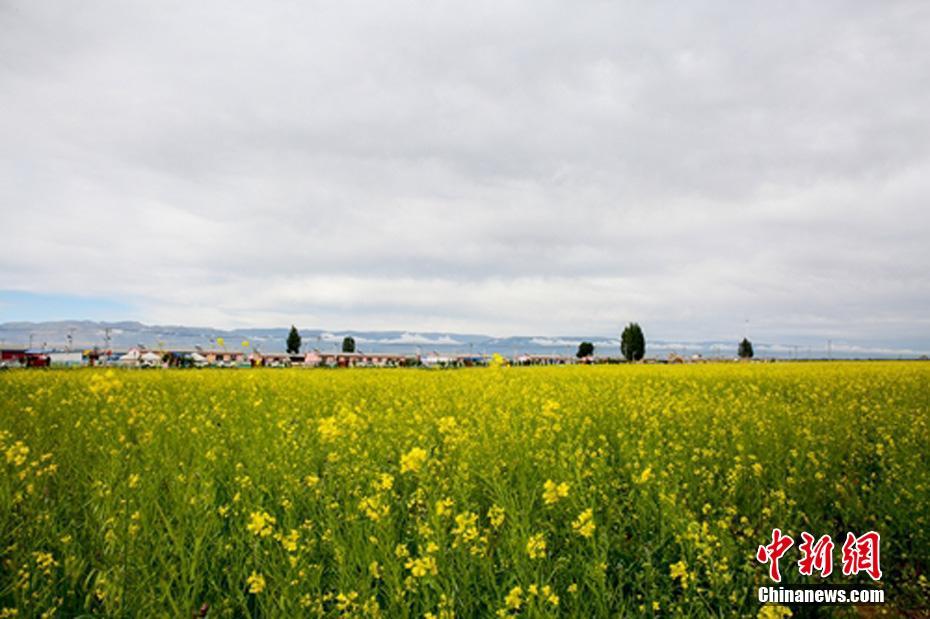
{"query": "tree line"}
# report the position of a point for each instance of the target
(632, 344)
(294, 342)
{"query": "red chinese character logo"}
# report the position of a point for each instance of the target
(773, 552)
(861, 554)
(816, 556)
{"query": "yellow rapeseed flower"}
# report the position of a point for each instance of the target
(774, 611)
(17, 453)
(385, 481)
(289, 542)
(413, 460)
(552, 491)
(680, 571)
(465, 529)
(444, 507)
(584, 524)
(496, 516)
(536, 546)
(514, 599)
(548, 595)
(261, 524)
(256, 583)
(422, 566)
(374, 507)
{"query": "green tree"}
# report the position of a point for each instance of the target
(348, 344)
(585, 349)
(633, 342)
(293, 341)
(745, 349)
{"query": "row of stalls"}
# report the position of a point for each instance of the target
(144, 358)
(34, 358)
(228, 359)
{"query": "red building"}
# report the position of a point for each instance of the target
(11, 356)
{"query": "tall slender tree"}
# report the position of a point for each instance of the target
(348, 344)
(293, 341)
(633, 342)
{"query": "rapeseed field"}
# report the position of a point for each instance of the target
(531, 492)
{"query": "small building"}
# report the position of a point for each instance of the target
(272, 360)
(472, 360)
(224, 358)
(12, 356)
(131, 359)
(66, 358)
(357, 359)
(545, 360)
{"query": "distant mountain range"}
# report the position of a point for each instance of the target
(82, 334)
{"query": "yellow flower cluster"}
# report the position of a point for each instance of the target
(256, 583)
(584, 523)
(536, 546)
(517, 599)
(444, 507)
(17, 454)
(261, 524)
(496, 516)
(421, 566)
(289, 541)
(413, 460)
(552, 491)
(679, 571)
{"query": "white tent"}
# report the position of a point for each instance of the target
(150, 359)
(131, 358)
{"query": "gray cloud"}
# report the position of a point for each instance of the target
(525, 167)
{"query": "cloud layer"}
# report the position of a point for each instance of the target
(519, 167)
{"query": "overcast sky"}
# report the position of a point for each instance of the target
(496, 167)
